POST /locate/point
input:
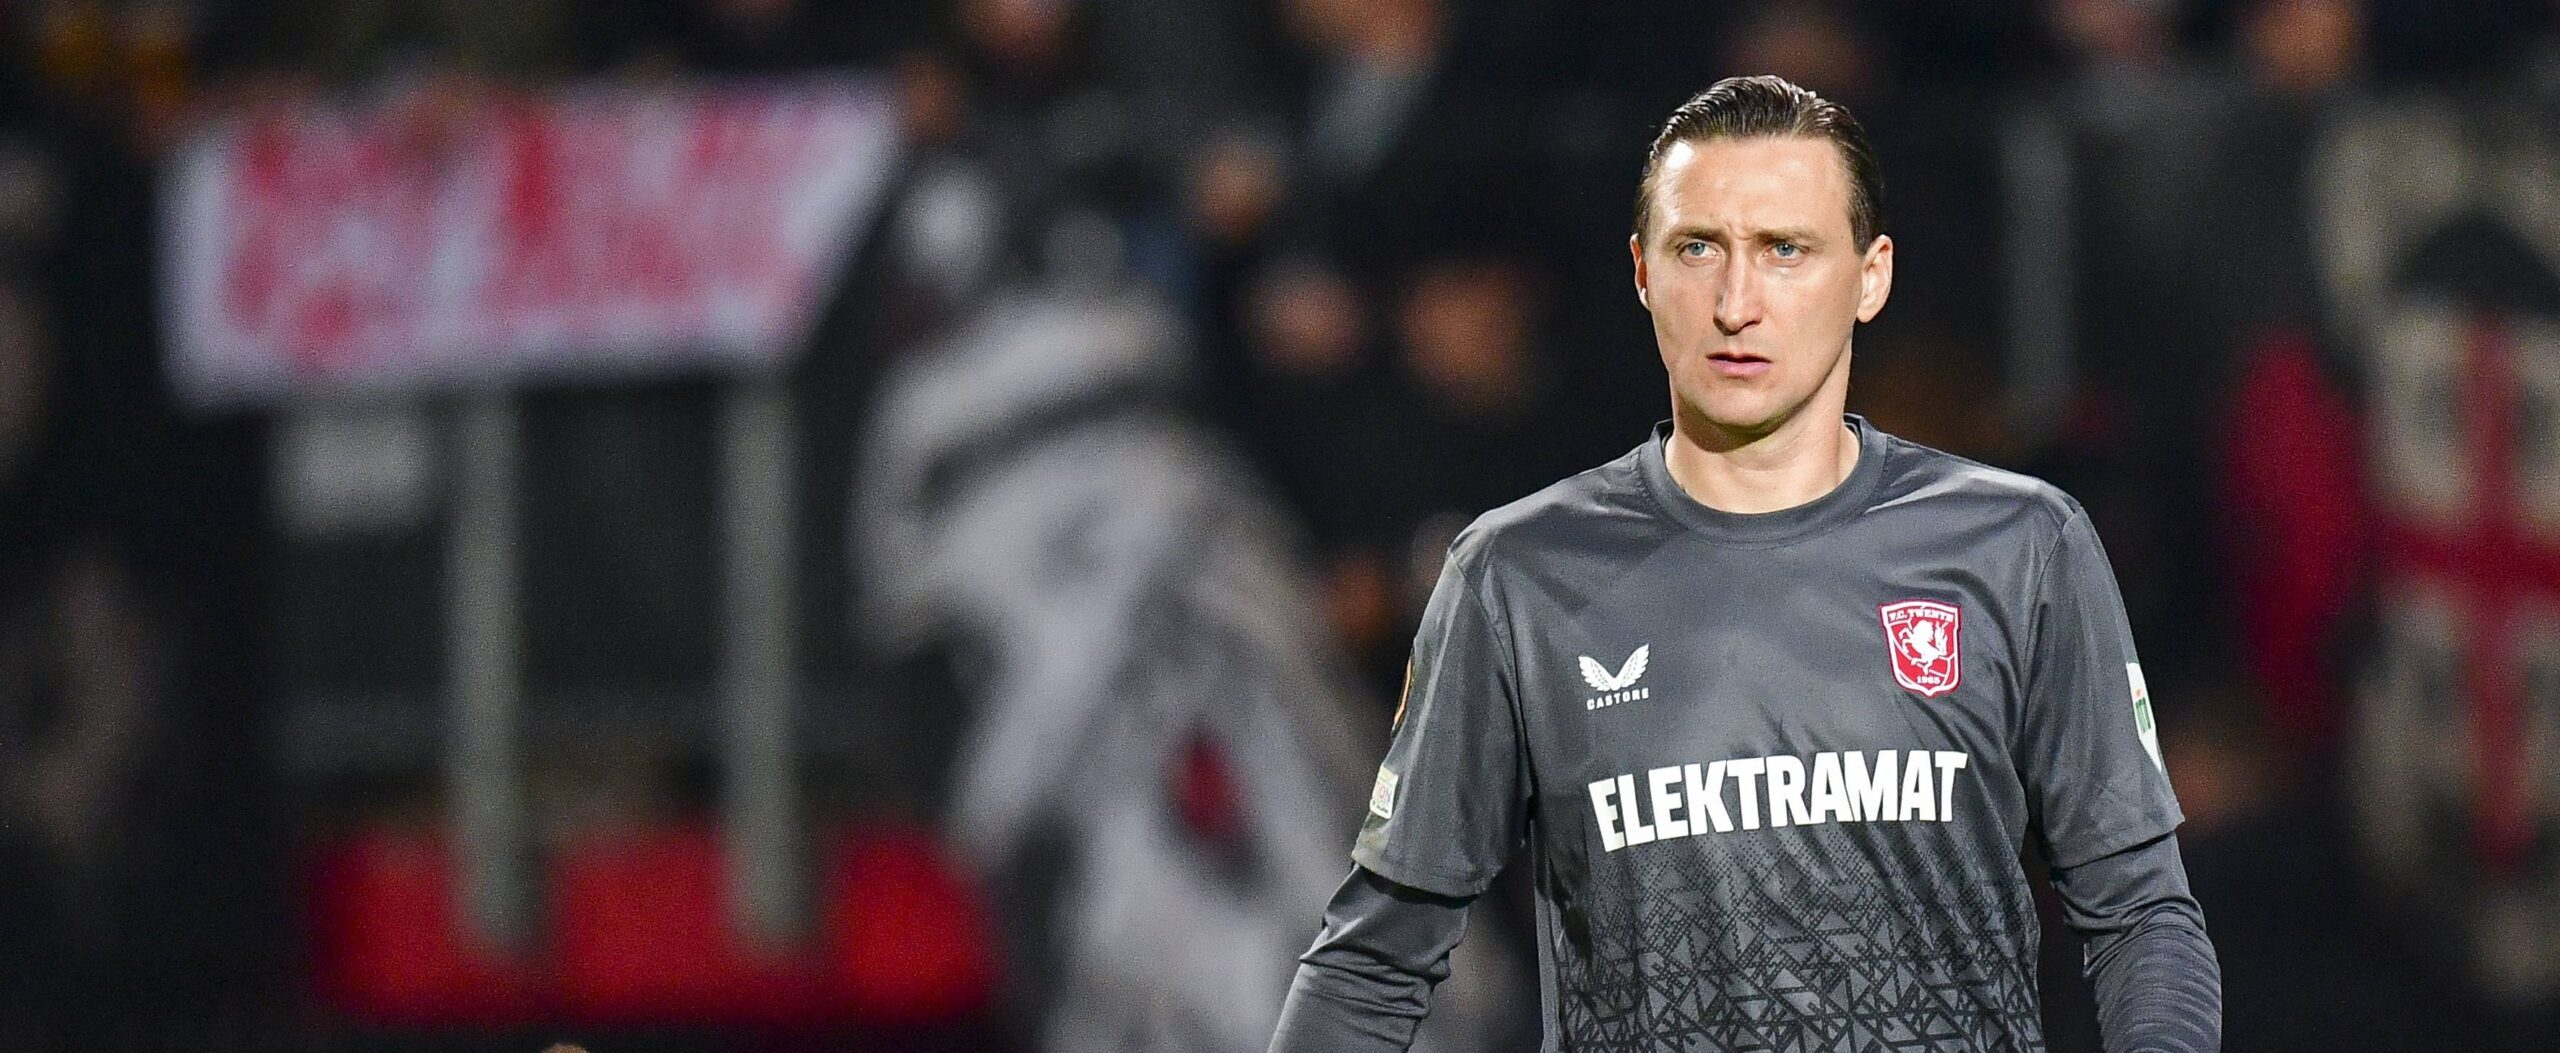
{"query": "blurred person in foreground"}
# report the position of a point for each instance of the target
(1840, 679)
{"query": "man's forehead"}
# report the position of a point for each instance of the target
(1791, 179)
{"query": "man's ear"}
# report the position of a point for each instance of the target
(1875, 278)
(1635, 248)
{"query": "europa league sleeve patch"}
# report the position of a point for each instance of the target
(2143, 723)
(1382, 795)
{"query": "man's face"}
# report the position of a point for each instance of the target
(1754, 279)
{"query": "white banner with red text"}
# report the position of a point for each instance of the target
(589, 235)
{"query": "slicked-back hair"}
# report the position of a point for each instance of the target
(1768, 107)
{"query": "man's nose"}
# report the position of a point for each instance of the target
(1738, 303)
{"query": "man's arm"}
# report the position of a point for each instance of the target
(2158, 984)
(2098, 789)
(1449, 809)
(1366, 984)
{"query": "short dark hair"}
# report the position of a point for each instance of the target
(1768, 107)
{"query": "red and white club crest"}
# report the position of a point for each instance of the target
(1922, 636)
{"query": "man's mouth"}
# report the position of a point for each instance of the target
(1737, 363)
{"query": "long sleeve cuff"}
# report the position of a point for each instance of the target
(2153, 970)
(1366, 984)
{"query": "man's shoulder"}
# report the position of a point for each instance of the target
(1927, 480)
(1578, 511)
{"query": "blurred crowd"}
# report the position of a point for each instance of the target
(1391, 233)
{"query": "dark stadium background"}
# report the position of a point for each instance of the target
(995, 660)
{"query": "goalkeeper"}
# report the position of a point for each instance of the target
(1775, 698)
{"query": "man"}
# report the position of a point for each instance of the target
(1776, 697)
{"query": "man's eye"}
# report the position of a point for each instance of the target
(1787, 250)
(1693, 249)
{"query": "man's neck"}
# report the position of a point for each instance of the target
(1801, 460)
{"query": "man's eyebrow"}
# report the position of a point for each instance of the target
(1798, 235)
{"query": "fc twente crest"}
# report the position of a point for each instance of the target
(1922, 636)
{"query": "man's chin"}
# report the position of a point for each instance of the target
(1752, 415)
(1730, 422)
(1731, 428)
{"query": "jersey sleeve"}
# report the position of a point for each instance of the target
(1449, 807)
(1366, 984)
(2090, 753)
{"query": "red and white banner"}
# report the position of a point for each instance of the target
(588, 235)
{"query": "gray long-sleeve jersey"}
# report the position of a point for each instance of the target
(1775, 771)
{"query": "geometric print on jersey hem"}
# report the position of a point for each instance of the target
(1823, 947)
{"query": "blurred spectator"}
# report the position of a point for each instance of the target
(1480, 413)
(2303, 49)
(2300, 64)
(1318, 423)
(81, 676)
(2149, 159)
(2298, 61)
(1817, 45)
(1403, 131)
